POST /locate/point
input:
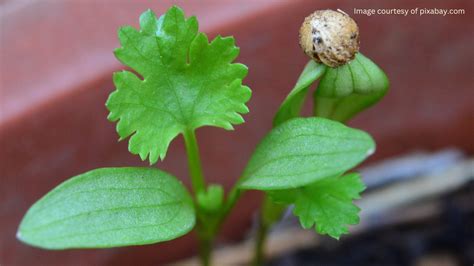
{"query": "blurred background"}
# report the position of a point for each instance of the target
(56, 73)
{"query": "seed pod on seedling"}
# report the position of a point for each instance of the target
(330, 37)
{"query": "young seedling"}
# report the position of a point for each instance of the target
(349, 83)
(183, 82)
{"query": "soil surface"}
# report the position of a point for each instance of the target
(444, 239)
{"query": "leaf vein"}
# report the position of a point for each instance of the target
(48, 224)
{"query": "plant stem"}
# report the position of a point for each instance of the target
(205, 250)
(208, 227)
(269, 214)
(260, 239)
(205, 235)
(232, 199)
(194, 161)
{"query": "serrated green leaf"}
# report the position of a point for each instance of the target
(303, 150)
(187, 83)
(347, 90)
(110, 207)
(291, 106)
(326, 203)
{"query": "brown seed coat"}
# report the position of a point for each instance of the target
(330, 37)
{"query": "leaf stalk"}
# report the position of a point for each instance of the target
(194, 161)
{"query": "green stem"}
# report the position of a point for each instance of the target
(232, 199)
(199, 186)
(207, 226)
(194, 162)
(260, 239)
(205, 250)
(260, 245)
(269, 214)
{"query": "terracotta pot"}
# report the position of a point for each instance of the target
(56, 70)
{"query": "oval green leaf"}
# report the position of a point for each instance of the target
(291, 106)
(110, 207)
(304, 150)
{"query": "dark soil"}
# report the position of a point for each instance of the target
(447, 237)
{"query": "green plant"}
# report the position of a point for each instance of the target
(183, 82)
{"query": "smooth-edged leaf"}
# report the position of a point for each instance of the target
(326, 203)
(110, 207)
(347, 90)
(291, 106)
(303, 150)
(186, 82)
